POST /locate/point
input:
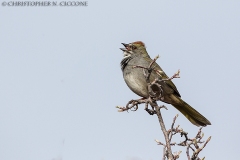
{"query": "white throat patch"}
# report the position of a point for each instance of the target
(126, 54)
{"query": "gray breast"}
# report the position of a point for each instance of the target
(134, 77)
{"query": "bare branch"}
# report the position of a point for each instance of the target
(132, 105)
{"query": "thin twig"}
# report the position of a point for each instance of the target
(133, 106)
(165, 133)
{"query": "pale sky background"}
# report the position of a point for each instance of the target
(60, 78)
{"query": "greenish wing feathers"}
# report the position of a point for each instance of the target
(164, 76)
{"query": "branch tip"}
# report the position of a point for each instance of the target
(132, 105)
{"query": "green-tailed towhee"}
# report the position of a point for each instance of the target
(135, 54)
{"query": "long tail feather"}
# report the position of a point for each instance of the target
(190, 113)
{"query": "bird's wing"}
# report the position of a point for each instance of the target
(164, 76)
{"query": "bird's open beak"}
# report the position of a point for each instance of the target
(125, 45)
(126, 52)
(124, 49)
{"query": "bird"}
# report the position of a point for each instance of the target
(135, 54)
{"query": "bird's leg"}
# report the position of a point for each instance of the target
(150, 111)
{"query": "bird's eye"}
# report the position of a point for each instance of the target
(133, 47)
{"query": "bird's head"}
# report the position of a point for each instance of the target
(134, 48)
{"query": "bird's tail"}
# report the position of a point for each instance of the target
(190, 113)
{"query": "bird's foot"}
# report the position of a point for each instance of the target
(150, 111)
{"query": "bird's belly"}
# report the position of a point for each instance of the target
(137, 84)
